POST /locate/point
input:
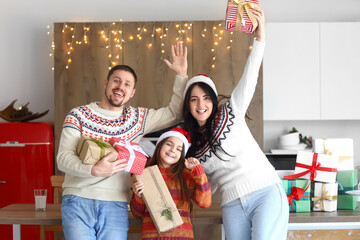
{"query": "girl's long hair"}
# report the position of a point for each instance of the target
(177, 169)
(199, 135)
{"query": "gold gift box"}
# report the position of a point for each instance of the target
(91, 150)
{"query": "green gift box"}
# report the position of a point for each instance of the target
(347, 180)
(298, 193)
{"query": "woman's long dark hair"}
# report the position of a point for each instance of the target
(177, 169)
(201, 135)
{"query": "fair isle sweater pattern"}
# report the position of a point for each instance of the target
(221, 127)
(129, 125)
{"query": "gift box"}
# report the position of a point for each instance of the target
(298, 194)
(342, 148)
(135, 157)
(239, 16)
(91, 150)
(325, 197)
(314, 166)
(347, 181)
(158, 200)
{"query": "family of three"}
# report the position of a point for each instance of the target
(214, 151)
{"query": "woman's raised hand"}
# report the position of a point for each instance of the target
(260, 30)
(179, 57)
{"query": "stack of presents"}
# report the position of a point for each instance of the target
(322, 178)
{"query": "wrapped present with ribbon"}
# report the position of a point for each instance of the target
(91, 150)
(132, 152)
(325, 197)
(298, 194)
(314, 166)
(158, 200)
(347, 181)
(342, 148)
(239, 16)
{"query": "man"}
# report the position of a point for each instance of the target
(95, 197)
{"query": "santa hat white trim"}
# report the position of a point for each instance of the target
(174, 133)
(200, 78)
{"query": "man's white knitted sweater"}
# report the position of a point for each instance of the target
(247, 169)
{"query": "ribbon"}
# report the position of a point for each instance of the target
(131, 148)
(98, 142)
(324, 196)
(296, 195)
(316, 166)
(242, 6)
(168, 208)
(327, 151)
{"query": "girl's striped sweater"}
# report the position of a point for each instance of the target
(199, 187)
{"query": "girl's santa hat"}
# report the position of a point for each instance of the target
(200, 78)
(181, 134)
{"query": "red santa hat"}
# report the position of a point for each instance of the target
(181, 134)
(200, 78)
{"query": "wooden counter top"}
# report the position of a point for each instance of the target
(25, 214)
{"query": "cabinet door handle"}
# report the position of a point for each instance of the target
(2, 181)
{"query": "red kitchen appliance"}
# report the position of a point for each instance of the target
(26, 163)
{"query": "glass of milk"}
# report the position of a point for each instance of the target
(40, 199)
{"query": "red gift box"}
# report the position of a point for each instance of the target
(132, 152)
(239, 16)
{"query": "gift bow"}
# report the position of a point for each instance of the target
(131, 148)
(316, 166)
(327, 151)
(98, 142)
(324, 196)
(243, 5)
(296, 193)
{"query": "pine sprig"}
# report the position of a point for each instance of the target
(307, 140)
(167, 213)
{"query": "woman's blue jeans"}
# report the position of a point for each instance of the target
(260, 215)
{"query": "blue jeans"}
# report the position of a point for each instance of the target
(260, 215)
(87, 219)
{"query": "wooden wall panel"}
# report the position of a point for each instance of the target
(83, 81)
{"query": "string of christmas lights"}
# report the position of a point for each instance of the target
(115, 40)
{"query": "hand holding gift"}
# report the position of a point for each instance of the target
(239, 16)
(136, 158)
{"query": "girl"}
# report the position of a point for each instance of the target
(185, 179)
(254, 204)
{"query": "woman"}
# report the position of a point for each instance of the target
(254, 204)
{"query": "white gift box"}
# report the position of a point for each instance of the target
(343, 148)
(320, 167)
(325, 197)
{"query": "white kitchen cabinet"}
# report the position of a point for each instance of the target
(312, 71)
(340, 70)
(291, 71)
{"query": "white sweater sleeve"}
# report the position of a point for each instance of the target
(67, 159)
(244, 91)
